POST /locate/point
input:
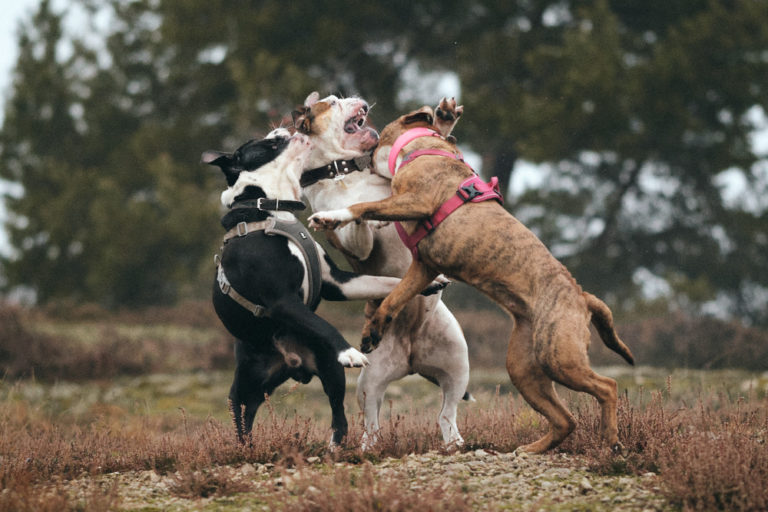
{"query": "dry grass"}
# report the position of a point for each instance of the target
(708, 447)
(707, 457)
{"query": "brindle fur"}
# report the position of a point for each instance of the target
(509, 264)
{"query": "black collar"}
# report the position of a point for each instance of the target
(333, 169)
(262, 203)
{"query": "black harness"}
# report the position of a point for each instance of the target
(293, 230)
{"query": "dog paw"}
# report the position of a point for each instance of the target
(436, 285)
(370, 340)
(618, 449)
(331, 219)
(446, 116)
(352, 358)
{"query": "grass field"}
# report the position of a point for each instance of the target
(131, 414)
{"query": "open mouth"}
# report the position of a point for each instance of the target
(356, 122)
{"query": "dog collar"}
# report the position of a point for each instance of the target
(403, 140)
(334, 170)
(272, 205)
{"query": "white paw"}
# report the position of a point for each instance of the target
(352, 358)
(454, 443)
(330, 219)
(368, 441)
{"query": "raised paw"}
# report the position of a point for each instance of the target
(331, 219)
(352, 358)
(371, 338)
(446, 116)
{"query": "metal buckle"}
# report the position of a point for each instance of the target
(224, 285)
(242, 228)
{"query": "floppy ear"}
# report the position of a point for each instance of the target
(424, 114)
(302, 120)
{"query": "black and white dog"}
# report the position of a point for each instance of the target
(270, 276)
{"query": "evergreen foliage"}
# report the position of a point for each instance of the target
(636, 110)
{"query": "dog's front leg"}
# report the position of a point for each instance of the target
(405, 206)
(414, 281)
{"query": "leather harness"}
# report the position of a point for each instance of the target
(473, 189)
(293, 230)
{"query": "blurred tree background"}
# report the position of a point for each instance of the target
(623, 132)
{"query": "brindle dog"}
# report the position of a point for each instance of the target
(485, 246)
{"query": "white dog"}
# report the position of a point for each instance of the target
(425, 337)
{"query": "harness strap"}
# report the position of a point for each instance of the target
(226, 289)
(473, 189)
(297, 233)
(403, 140)
(243, 228)
(294, 231)
(433, 152)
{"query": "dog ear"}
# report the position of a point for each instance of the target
(424, 114)
(215, 158)
(302, 120)
(312, 99)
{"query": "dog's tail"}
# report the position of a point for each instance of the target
(602, 319)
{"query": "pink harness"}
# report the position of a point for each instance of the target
(473, 189)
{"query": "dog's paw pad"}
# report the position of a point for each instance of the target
(352, 358)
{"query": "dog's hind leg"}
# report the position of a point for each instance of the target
(571, 368)
(537, 388)
(440, 353)
(249, 387)
(297, 317)
(334, 383)
(388, 363)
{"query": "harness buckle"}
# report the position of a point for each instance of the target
(242, 227)
(469, 192)
(224, 285)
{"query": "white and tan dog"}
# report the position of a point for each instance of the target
(425, 338)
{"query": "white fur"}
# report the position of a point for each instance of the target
(342, 216)
(352, 358)
(279, 178)
(336, 144)
(425, 337)
(296, 252)
(381, 162)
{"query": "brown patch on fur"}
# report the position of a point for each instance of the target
(311, 120)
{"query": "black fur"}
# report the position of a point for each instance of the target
(291, 342)
(248, 157)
